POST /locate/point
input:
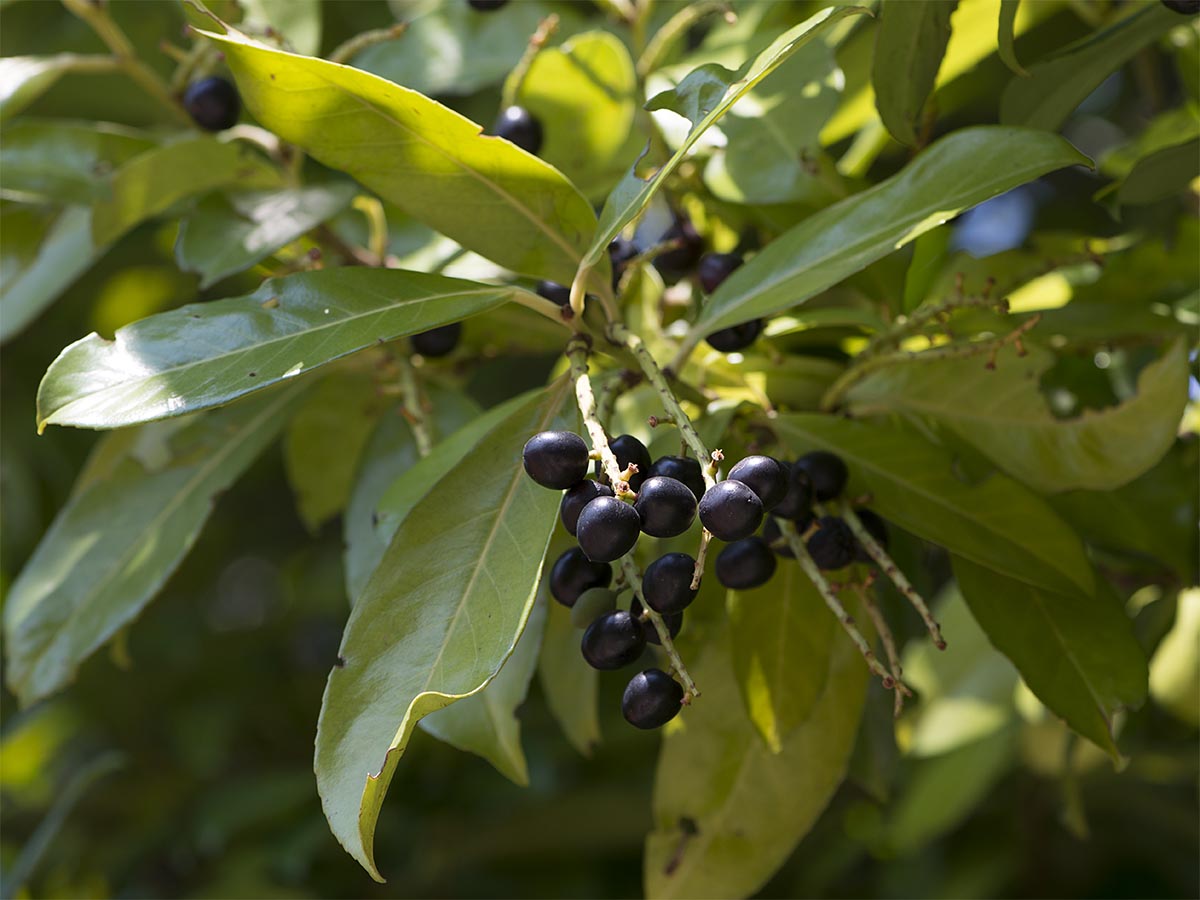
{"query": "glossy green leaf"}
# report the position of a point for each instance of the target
(1162, 174)
(568, 683)
(298, 21)
(433, 627)
(228, 233)
(123, 532)
(25, 78)
(1006, 36)
(486, 723)
(996, 522)
(781, 636)
(727, 811)
(1002, 414)
(288, 326)
(1077, 652)
(70, 162)
(962, 169)
(1175, 669)
(1165, 130)
(909, 47)
(703, 97)
(430, 161)
(1058, 85)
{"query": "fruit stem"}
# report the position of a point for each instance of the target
(577, 353)
(886, 638)
(788, 530)
(414, 412)
(634, 580)
(917, 320)
(892, 571)
(516, 78)
(351, 47)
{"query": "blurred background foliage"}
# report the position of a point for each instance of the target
(180, 762)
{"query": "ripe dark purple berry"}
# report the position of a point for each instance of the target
(673, 621)
(876, 528)
(607, 529)
(736, 337)
(652, 699)
(730, 510)
(613, 640)
(667, 583)
(667, 506)
(679, 261)
(765, 476)
(554, 292)
(573, 573)
(486, 5)
(437, 341)
(832, 545)
(576, 498)
(519, 126)
(1183, 7)
(620, 252)
(745, 564)
(556, 459)
(714, 268)
(774, 537)
(826, 471)
(797, 502)
(213, 103)
(628, 449)
(681, 468)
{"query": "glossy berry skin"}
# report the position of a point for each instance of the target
(554, 292)
(519, 126)
(731, 511)
(555, 459)
(745, 564)
(437, 341)
(607, 529)
(673, 621)
(667, 506)
(736, 337)
(213, 103)
(876, 528)
(678, 262)
(573, 573)
(797, 502)
(826, 471)
(667, 583)
(1183, 7)
(652, 699)
(628, 449)
(613, 640)
(486, 5)
(832, 545)
(576, 498)
(714, 268)
(765, 477)
(681, 468)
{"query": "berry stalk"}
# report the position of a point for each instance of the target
(634, 581)
(577, 353)
(885, 638)
(350, 48)
(414, 413)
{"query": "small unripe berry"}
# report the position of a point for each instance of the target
(519, 126)
(628, 449)
(573, 573)
(765, 476)
(745, 564)
(730, 510)
(714, 268)
(613, 640)
(576, 498)
(607, 529)
(832, 544)
(681, 468)
(667, 583)
(736, 337)
(826, 471)
(213, 103)
(437, 342)
(555, 459)
(667, 506)
(652, 699)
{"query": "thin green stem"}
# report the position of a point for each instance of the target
(888, 641)
(414, 410)
(917, 320)
(633, 579)
(377, 226)
(516, 78)
(351, 47)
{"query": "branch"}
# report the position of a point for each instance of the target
(577, 353)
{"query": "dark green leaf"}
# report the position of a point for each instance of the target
(66, 161)
(909, 46)
(1006, 36)
(1161, 174)
(568, 683)
(25, 78)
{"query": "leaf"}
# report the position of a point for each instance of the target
(703, 97)
(1006, 37)
(227, 234)
(1058, 85)
(909, 46)
(569, 684)
(1002, 414)
(324, 440)
(997, 522)
(25, 78)
(727, 811)
(299, 21)
(486, 723)
(1077, 652)
(288, 326)
(1162, 174)
(781, 636)
(123, 533)
(957, 172)
(1175, 669)
(430, 161)
(438, 618)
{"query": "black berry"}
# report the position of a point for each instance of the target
(681, 468)
(652, 699)
(774, 537)
(613, 640)
(1183, 7)
(213, 103)
(667, 506)
(876, 528)
(673, 621)
(745, 564)
(832, 545)
(628, 449)
(607, 529)
(486, 5)
(591, 605)
(620, 252)
(437, 341)
(714, 268)
(556, 459)
(765, 477)
(797, 502)
(736, 337)
(554, 292)
(731, 511)
(573, 573)
(521, 127)
(576, 498)
(826, 471)
(667, 583)
(679, 261)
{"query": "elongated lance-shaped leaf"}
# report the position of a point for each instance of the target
(438, 618)
(1006, 37)
(909, 46)
(206, 354)
(433, 163)
(954, 174)
(703, 97)
(135, 513)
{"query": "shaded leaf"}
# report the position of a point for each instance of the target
(1006, 36)
(568, 683)
(909, 47)
(66, 161)
(1161, 174)
(25, 78)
